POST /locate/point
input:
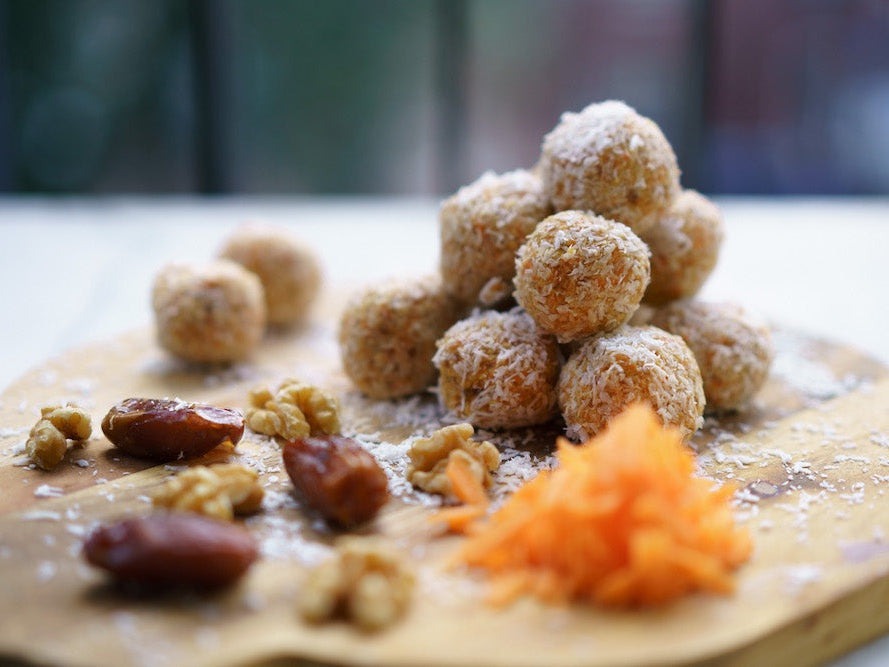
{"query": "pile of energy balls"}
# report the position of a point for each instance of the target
(566, 289)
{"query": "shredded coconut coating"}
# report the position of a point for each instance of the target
(219, 491)
(428, 458)
(579, 274)
(610, 160)
(483, 225)
(289, 271)
(387, 336)
(733, 348)
(498, 370)
(210, 313)
(684, 244)
(632, 364)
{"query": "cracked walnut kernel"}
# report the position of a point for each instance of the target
(295, 410)
(366, 581)
(429, 458)
(219, 491)
(48, 440)
(46, 445)
(73, 422)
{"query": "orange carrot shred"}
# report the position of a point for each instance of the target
(466, 486)
(620, 521)
(469, 490)
(459, 519)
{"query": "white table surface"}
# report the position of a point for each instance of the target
(79, 270)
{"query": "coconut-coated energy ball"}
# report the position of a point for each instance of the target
(632, 364)
(209, 313)
(610, 160)
(733, 348)
(387, 335)
(579, 274)
(483, 225)
(684, 244)
(498, 370)
(289, 271)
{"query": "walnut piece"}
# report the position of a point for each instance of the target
(366, 581)
(294, 410)
(429, 458)
(72, 421)
(48, 441)
(219, 491)
(46, 445)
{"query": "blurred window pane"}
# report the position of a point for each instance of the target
(419, 96)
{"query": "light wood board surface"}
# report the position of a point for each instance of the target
(812, 455)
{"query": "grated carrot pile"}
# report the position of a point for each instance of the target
(620, 521)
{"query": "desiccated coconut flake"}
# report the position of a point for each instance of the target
(48, 491)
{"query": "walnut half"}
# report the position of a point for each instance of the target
(219, 491)
(428, 458)
(294, 410)
(48, 441)
(366, 581)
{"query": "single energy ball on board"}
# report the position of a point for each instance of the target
(632, 364)
(289, 271)
(208, 313)
(610, 160)
(684, 244)
(387, 335)
(579, 274)
(498, 370)
(483, 225)
(733, 348)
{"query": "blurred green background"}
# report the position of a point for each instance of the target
(420, 96)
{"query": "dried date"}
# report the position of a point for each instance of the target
(172, 549)
(337, 477)
(164, 429)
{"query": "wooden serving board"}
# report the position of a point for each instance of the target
(812, 456)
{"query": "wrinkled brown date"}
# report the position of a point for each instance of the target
(164, 429)
(172, 549)
(337, 477)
